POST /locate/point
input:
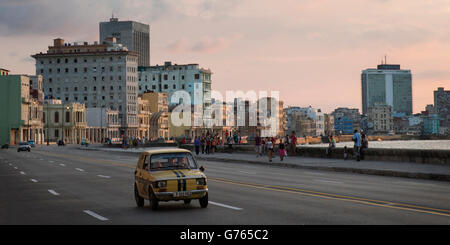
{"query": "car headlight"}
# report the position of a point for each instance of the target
(161, 184)
(201, 181)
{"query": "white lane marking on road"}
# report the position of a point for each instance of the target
(224, 205)
(15, 167)
(329, 181)
(62, 164)
(95, 215)
(246, 172)
(33, 180)
(10, 164)
(51, 161)
(22, 172)
(54, 192)
(79, 169)
(104, 176)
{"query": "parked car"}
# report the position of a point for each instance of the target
(24, 146)
(31, 142)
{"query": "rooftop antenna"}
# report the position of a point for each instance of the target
(385, 59)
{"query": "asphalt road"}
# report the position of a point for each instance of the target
(65, 185)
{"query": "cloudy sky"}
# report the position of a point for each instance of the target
(312, 51)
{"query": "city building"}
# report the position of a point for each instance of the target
(158, 105)
(3, 72)
(346, 120)
(144, 115)
(102, 124)
(133, 35)
(302, 124)
(64, 121)
(431, 124)
(380, 119)
(21, 110)
(442, 105)
(170, 78)
(401, 125)
(316, 115)
(388, 84)
(329, 124)
(97, 75)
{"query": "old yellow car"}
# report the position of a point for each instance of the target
(169, 174)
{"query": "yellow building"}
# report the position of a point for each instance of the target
(65, 122)
(159, 119)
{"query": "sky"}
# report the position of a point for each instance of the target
(311, 51)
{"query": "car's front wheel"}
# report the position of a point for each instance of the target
(153, 200)
(139, 199)
(204, 201)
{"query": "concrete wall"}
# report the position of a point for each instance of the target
(371, 154)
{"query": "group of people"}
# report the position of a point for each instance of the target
(208, 143)
(268, 144)
(360, 143)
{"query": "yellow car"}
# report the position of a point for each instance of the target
(169, 174)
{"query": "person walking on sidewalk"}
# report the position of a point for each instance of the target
(258, 145)
(230, 144)
(357, 145)
(293, 143)
(269, 150)
(197, 145)
(364, 145)
(282, 149)
(202, 144)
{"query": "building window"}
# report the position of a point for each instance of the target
(197, 76)
(56, 117)
(165, 77)
(67, 116)
(174, 86)
(166, 86)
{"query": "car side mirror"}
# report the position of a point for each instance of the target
(202, 169)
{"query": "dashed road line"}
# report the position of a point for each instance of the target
(79, 169)
(104, 176)
(224, 205)
(54, 192)
(97, 216)
(22, 172)
(33, 180)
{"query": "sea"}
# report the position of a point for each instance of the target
(397, 144)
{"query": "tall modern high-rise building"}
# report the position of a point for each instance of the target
(131, 34)
(389, 85)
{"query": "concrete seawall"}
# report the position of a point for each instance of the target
(371, 154)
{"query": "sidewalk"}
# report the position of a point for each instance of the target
(395, 169)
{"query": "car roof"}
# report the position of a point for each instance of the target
(160, 150)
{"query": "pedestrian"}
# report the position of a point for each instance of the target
(364, 145)
(197, 145)
(293, 143)
(208, 145)
(282, 150)
(230, 144)
(258, 145)
(213, 145)
(331, 145)
(357, 145)
(269, 150)
(263, 146)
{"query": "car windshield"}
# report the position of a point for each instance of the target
(23, 143)
(171, 161)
